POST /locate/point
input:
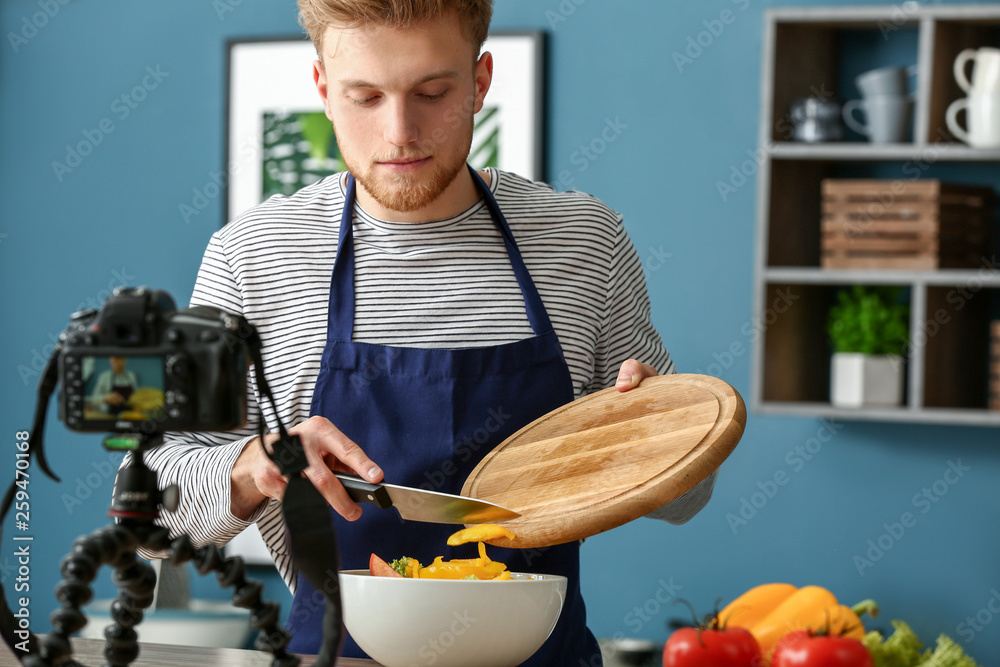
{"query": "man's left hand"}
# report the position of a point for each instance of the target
(631, 374)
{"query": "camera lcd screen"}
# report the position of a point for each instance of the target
(122, 388)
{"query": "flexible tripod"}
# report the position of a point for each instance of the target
(135, 504)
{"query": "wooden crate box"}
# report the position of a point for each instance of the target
(905, 224)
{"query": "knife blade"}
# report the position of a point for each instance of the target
(422, 505)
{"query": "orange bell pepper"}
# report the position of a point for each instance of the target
(771, 611)
(750, 608)
(806, 608)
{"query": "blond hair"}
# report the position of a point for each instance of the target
(316, 15)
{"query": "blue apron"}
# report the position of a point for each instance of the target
(427, 417)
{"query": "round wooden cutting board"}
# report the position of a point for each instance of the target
(609, 457)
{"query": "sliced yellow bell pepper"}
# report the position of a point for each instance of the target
(464, 568)
(483, 532)
(412, 568)
(457, 568)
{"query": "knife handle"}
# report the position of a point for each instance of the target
(361, 491)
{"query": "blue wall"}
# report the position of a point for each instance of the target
(67, 239)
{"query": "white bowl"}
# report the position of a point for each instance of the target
(451, 623)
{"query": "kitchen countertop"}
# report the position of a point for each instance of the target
(90, 652)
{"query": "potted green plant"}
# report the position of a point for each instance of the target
(869, 330)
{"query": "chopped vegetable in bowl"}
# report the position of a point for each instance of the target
(479, 569)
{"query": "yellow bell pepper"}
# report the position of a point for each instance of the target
(412, 568)
(480, 533)
(457, 568)
(751, 607)
(805, 608)
(846, 622)
(771, 611)
(463, 568)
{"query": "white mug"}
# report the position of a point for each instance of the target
(888, 118)
(982, 116)
(886, 81)
(985, 70)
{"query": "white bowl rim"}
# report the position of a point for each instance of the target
(515, 577)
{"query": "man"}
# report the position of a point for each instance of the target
(409, 304)
(113, 387)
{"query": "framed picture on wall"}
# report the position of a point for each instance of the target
(278, 139)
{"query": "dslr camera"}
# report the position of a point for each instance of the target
(138, 365)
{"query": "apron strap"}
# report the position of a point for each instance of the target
(340, 319)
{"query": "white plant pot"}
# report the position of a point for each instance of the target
(858, 380)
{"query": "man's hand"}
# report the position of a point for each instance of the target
(114, 398)
(631, 374)
(255, 477)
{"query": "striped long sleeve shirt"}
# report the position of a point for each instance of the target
(445, 283)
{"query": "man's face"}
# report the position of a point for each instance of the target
(117, 364)
(402, 105)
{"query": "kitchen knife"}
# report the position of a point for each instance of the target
(421, 505)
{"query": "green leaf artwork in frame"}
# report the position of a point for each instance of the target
(298, 149)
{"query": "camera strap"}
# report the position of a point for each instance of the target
(50, 377)
(307, 516)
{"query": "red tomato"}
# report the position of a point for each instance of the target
(730, 647)
(805, 649)
(379, 568)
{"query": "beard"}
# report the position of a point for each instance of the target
(405, 193)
